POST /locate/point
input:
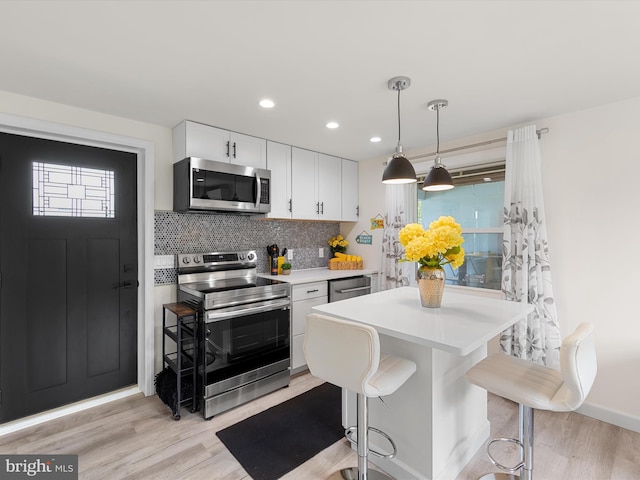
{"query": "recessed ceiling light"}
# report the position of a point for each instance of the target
(487, 179)
(375, 139)
(266, 103)
(332, 125)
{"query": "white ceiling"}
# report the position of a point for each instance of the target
(498, 63)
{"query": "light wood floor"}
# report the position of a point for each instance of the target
(137, 439)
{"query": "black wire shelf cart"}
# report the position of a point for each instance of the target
(180, 352)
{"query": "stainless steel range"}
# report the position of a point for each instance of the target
(243, 336)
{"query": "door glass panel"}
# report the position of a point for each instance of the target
(68, 191)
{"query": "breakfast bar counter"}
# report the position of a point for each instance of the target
(437, 419)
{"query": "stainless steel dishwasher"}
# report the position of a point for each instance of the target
(343, 288)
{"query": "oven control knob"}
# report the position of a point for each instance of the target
(185, 260)
(196, 259)
(251, 256)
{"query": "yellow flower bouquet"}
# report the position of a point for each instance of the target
(440, 245)
(338, 244)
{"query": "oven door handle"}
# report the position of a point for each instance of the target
(213, 316)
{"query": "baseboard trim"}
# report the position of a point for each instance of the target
(39, 418)
(608, 415)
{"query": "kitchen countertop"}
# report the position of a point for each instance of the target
(463, 323)
(317, 275)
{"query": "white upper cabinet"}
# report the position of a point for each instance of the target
(247, 150)
(315, 185)
(192, 139)
(329, 191)
(304, 190)
(350, 206)
(305, 185)
(279, 162)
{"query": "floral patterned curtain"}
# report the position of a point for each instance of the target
(526, 270)
(400, 209)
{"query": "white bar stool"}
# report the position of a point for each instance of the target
(537, 387)
(347, 354)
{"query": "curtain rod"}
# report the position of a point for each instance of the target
(472, 145)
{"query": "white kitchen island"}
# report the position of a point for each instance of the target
(437, 419)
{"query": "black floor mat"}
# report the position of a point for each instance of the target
(276, 441)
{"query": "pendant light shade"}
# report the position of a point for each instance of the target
(399, 169)
(438, 178)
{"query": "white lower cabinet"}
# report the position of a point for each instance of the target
(304, 297)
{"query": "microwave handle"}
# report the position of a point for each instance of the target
(258, 189)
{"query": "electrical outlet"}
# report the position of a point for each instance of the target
(290, 254)
(164, 261)
(320, 252)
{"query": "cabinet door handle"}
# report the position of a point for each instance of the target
(234, 149)
(322, 208)
(312, 291)
(317, 208)
(290, 205)
(358, 211)
(228, 149)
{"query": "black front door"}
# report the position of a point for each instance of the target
(68, 265)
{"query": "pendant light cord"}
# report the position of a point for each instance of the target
(398, 85)
(437, 130)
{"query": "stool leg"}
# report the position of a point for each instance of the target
(362, 437)
(525, 435)
(526, 438)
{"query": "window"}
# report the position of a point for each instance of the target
(476, 203)
(68, 191)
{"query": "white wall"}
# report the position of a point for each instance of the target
(590, 173)
(590, 176)
(55, 112)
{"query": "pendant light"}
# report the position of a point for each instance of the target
(399, 169)
(438, 178)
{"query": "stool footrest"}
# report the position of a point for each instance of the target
(496, 463)
(499, 476)
(352, 474)
(348, 433)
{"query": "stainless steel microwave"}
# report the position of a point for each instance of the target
(200, 184)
